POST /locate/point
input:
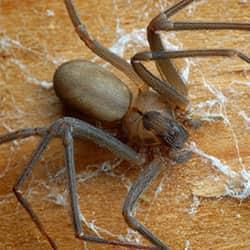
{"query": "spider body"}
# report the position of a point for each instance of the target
(148, 118)
(93, 90)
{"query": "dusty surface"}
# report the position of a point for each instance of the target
(35, 37)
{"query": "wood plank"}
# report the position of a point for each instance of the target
(35, 37)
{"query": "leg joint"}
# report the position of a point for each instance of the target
(130, 219)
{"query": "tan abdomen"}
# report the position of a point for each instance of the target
(91, 89)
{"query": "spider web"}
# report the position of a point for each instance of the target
(34, 41)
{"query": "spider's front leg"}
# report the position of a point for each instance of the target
(168, 91)
(67, 128)
(168, 71)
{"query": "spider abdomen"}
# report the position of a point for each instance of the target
(91, 89)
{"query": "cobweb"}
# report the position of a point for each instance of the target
(33, 43)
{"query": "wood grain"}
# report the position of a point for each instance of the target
(35, 36)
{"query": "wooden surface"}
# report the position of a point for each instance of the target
(35, 37)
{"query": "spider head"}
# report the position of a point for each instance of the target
(168, 130)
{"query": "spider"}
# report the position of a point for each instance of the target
(150, 117)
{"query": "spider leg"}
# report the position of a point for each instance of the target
(140, 184)
(67, 128)
(167, 70)
(69, 158)
(25, 174)
(83, 129)
(98, 48)
(163, 87)
(162, 23)
(22, 133)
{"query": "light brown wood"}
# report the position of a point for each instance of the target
(35, 36)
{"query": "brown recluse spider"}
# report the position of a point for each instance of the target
(158, 121)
